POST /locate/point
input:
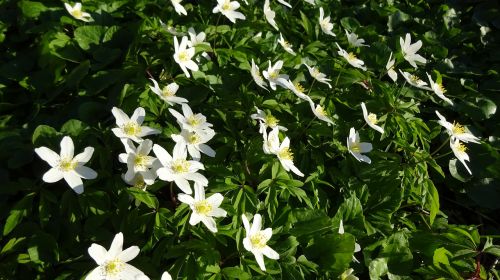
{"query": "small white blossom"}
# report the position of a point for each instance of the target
(287, 46)
(256, 240)
(325, 24)
(204, 209)
(351, 58)
(318, 76)
(269, 15)
(390, 68)
(282, 151)
(459, 150)
(272, 74)
(76, 12)
(439, 90)
(371, 119)
(348, 275)
(266, 120)
(184, 56)
(410, 50)
(196, 39)
(228, 9)
(138, 161)
(131, 127)
(112, 263)
(166, 276)
(456, 130)
(168, 92)
(195, 142)
(66, 166)
(179, 9)
(414, 80)
(177, 169)
(356, 148)
(354, 41)
(298, 90)
(257, 77)
(320, 113)
(189, 121)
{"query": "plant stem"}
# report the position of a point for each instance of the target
(440, 147)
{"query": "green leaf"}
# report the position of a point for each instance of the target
(333, 252)
(77, 74)
(431, 199)
(32, 9)
(458, 171)
(43, 134)
(235, 273)
(143, 196)
(73, 128)
(17, 213)
(88, 36)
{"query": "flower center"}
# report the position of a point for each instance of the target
(184, 56)
(203, 207)
(320, 110)
(193, 120)
(139, 183)
(166, 92)
(286, 44)
(113, 267)
(461, 147)
(458, 128)
(258, 240)
(67, 164)
(372, 118)
(440, 88)
(271, 121)
(285, 154)
(315, 73)
(132, 129)
(77, 13)
(180, 166)
(351, 56)
(414, 79)
(299, 87)
(273, 74)
(141, 161)
(194, 138)
(355, 147)
(226, 6)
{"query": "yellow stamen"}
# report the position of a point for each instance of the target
(180, 166)
(203, 207)
(113, 267)
(184, 56)
(372, 118)
(315, 72)
(132, 129)
(77, 13)
(414, 78)
(286, 154)
(320, 110)
(67, 164)
(258, 240)
(194, 138)
(139, 183)
(458, 128)
(355, 147)
(141, 161)
(166, 92)
(273, 75)
(194, 120)
(441, 88)
(299, 87)
(226, 6)
(461, 147)
(351, 56)
(271, 121)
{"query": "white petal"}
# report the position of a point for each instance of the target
(218, 212)
(194, 219)
(129, 272)
(162, 155)
(138, 115)
(256, 224)
(67, 147)
(246, 224)
(215, 200)
(51, 157)
(184, 198)
(166, 276)
(116, 246)
(260, 260)
(183, 184)
(207, 150)
(129, 254)
(98, 253)
(270, 253)
(53, 175)
(146, 130)
(84, 156)
(74, 181)
(120, 116)
(85, 172)
(209, 222)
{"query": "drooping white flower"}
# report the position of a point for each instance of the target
(256, 240)
(76, 12)
(196, 39)
(282, 151)
(131, 127)
(356, 148)
(184, 56)
(257, 77)
(439, 90)
(348, 275)
(351, 58)
(459, 150)
(138, 161)
(266, 120)
(298, 90)
(371, 119)
(318, 76)
(272, 74)
(285, 3)
(357, 248)
(390, 68)
(112, 263)
(66, 166)
(168, 92)
(287, 46)
(271, 143)
(354, 41)
(325, 24)
(320, 113)
(204, 209)
(456, 130)
(189, 121)
(195, 142)
(228, 8)
(414, 80)
(269, 15)
(177, 169)
(179, 9)
(166, 276)
(410, 50)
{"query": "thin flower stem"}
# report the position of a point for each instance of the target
(338, 76)
(312, 84)
(440, 147)
(172, 196)
(215, 35)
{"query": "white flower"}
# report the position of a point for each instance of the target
(204, 209)
(138, 180)
(460, 152)
(438, 89)
(66, 166)
(318, 76)
(320, 113)
(414, 80)
(257, 77)
(348, 275)
(311, 2)
(167, 94)
(256, 240)
(371, 119)
(166, 276)
(298, 90)
(179, 9)
(271, 141)
(76, 12)
(189, 121)
(266, 120)
(131, 127)
(325, 24)
(356, 148)
(354, 41)
(184, 56)
(113, 262)
(195, 142)
(456, 130)
(138, 161)
(270, 14)
(390, 68)
(410, 50)
(285, 3)
(177, 169)
(228, 9)
(272, 74)
(282, 151)
(287, 46)
(351, 58)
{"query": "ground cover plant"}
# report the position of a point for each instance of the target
(249, 139)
